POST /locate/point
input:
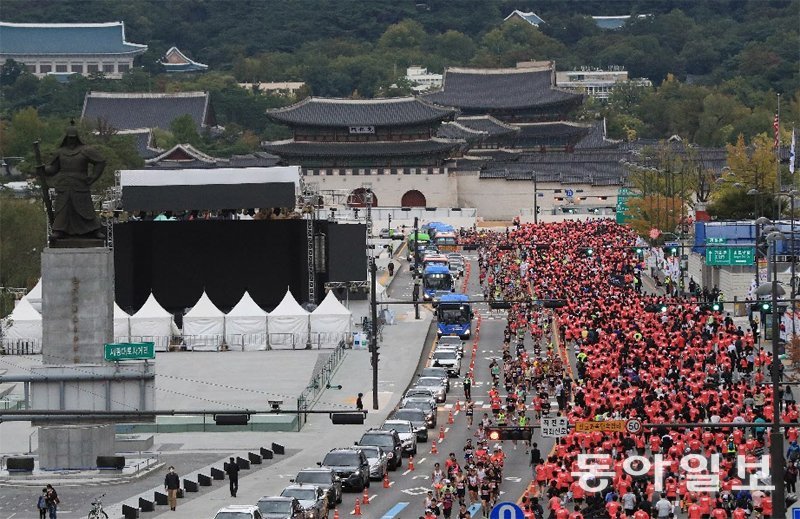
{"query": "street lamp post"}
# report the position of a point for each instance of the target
(535, 198)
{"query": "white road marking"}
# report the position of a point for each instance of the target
(406, 472)
(421, 460)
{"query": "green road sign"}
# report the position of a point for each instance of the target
(716, 240)
(724, 256)
(129, 351)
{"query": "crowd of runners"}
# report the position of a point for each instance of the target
(634, 355)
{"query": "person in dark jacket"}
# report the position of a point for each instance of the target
(232, 470)
(171, 484)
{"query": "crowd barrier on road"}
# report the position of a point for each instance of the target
(20, 347)
(319, 383)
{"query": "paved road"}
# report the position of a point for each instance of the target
(411, 486)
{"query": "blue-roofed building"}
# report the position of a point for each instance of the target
(176, 61)
(531, 17)
(69, 48)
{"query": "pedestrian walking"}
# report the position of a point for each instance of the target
(232, 470)
(468, 387)
(41, 504)
(171, 484)
(390, 268)
(51, 500)
(360, 402)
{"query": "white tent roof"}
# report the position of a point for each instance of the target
(246, 307)
(119, 313)
(122, 327)
(36, 292)
(151, 308)
(204, 308)
(24, 311)
(330, 306)
(288, 307)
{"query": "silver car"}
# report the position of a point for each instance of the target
(378, 461)
(426, 405)
(447, 359)
(435, 385)
(405, 430)
(418, 419)
(313, 499)
(431, 371)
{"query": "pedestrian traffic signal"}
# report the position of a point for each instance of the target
(717, 306)
(766, 306)
(523, 433)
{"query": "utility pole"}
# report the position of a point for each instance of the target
(373, 339)
(535, 198)
(416, 266)
(775, 436)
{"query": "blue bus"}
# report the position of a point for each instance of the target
(436, 281)
(454, 316)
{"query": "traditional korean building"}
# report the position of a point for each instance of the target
(378, 140)
(176, 61)
(186, 156)
(69, 48)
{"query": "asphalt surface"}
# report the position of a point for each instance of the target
(410, 487)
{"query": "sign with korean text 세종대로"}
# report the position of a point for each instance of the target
(554, 427)
(129, 351)
(605, 425)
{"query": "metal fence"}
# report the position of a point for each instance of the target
(319, 383)
(20, 347)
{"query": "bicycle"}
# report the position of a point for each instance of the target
(97, 511)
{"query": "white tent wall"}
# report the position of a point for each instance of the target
(23, 330)
(122, 325)
(153, 324)
(204, 326)
(288, 324)
(246, 326)
(330, 323)
(34, 297)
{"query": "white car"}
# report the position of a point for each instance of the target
(378, 461)
(238, 512)
(433, 384)
(452, 341)
(405, 430)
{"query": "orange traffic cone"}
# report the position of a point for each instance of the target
(386, 481)
(365, 497)
(335, 513)
(411, 463)
(450, 418)
(441, 433)
(357, 508)
(434, 450)
(458, 405)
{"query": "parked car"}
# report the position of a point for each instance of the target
(325, 478)
(419, 392)
(311, 498)
(405, 430)
(378, 461)
(389, 441)
(279, 507)
(451, 341)
(239, 512)
(385, 234)
(434, 384)
(418, 419)
(351, 467)
(442, 373)
(426, 405)
(447, 359)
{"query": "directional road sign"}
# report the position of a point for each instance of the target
(129, 351)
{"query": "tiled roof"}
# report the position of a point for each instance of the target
(499, 89)
(291, 148)
(200, 160)
(596, 138)
(553, 129)
(321, 111)
(176, 61)
(65, 39)
(455, 130)
(488, 124)
(144, 142)
(130, 111)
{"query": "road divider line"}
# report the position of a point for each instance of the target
(404, 473)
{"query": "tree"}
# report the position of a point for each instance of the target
(184, 130)
(654, 211)
(10, 71)
(23, 226)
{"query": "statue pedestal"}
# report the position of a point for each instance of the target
(74, 446)
(77, 304)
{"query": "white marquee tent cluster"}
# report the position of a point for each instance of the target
(205, 328)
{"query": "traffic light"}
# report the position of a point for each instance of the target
(766, 307)
(509, 433)
(716, 306)
(554, 303)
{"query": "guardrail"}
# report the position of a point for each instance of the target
(20, 347)
(319, 383)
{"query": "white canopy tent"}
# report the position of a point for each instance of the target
(34, 297)
(330, 322)
(122, 324)
(204, 326)
(23, 329)
(288, 324)
(246, 325)
(153, 323)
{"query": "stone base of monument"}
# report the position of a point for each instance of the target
(74, 446)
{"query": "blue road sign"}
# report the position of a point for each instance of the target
(796, 513)
(569, 192)
(507, 510)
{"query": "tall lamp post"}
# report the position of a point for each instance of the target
(775, 437)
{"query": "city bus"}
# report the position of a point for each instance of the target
(436, 282)
(454, 316)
